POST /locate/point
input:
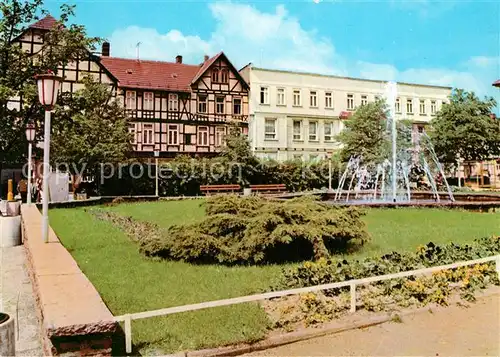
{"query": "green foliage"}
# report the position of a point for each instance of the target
(365, 134)
(464, 130)
(187, 174)
(437, 288)
(91, 128)
(62, 44)
(252, 230)
(330, 271)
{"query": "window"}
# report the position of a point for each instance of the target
(188, 139)
(364, 99)
(237, 106)
(409, 106)
(377, 98)
(173, 102)
(147, 134)
(420, 129)
(313, 157)
(148, 101)
(297, 130)
(422, 107)
(202, 104)
(220, 132)
(298, 157)
(215, 75)
(313, 130)
(173, 134)
(296, 98)
(433, 107)
(264, 95)
(270, 129)
(219, 105)
(328, 100)
(398, 105)
(329, 131)
(350, 101)
(130, 100)
(280, 96)
(313, 95)
(131, 130)
(203, 136)
(223, 76)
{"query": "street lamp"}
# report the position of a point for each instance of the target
(157, 154)
(30, 136)
(48, 89)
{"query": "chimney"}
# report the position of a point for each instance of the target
(105, 49)
(178, 59)
(206, 58)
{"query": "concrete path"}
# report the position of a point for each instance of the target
(15, 284)
(450, 331)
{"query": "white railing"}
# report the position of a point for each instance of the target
(275, 294)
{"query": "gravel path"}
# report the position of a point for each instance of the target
(450, 331)
(16, 283)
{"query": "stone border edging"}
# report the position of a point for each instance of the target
(72, 316)
(312, 332)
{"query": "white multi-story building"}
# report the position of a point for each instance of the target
(298, 115)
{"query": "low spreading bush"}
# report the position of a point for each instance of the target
(253, 230)
(437, 288)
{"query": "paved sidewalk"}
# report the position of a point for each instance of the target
(16, 289)
(449, 331)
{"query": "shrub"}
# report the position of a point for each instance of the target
(437, 288)
(253, 230)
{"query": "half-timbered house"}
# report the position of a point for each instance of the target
(176, 108)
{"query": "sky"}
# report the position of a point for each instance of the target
(451, 43)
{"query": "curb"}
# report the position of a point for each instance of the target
(309, 333)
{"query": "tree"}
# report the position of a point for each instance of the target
(464, 129)
(91, 128)
(365, 134)
(239, 156)
(62, 44)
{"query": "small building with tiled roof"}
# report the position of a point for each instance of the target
(176, 108)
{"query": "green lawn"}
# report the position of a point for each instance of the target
(130, 283)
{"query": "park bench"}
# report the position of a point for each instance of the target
(267, 189)
(214, 189)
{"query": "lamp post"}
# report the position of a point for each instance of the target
(48, 89)
(329, 157)
(157, 154)
(30, 136)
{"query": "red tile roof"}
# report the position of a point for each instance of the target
(496, 83)
(143, 74)
(47, 23)
(206, 65)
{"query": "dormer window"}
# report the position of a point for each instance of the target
(215, 75)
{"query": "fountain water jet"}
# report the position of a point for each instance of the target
(369, 183)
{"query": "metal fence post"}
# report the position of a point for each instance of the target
(128, 334)
(497, 265)
(353, 297)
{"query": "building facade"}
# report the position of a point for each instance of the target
(175, 108)
(297, 115)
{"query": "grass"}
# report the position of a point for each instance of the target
(129, 282)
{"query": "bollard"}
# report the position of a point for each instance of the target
(10, 190)
(7, 336)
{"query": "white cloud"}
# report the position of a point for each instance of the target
(277, 40)
(274, 39)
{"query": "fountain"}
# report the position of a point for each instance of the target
(389, 180)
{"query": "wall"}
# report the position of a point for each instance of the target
(283, 146)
